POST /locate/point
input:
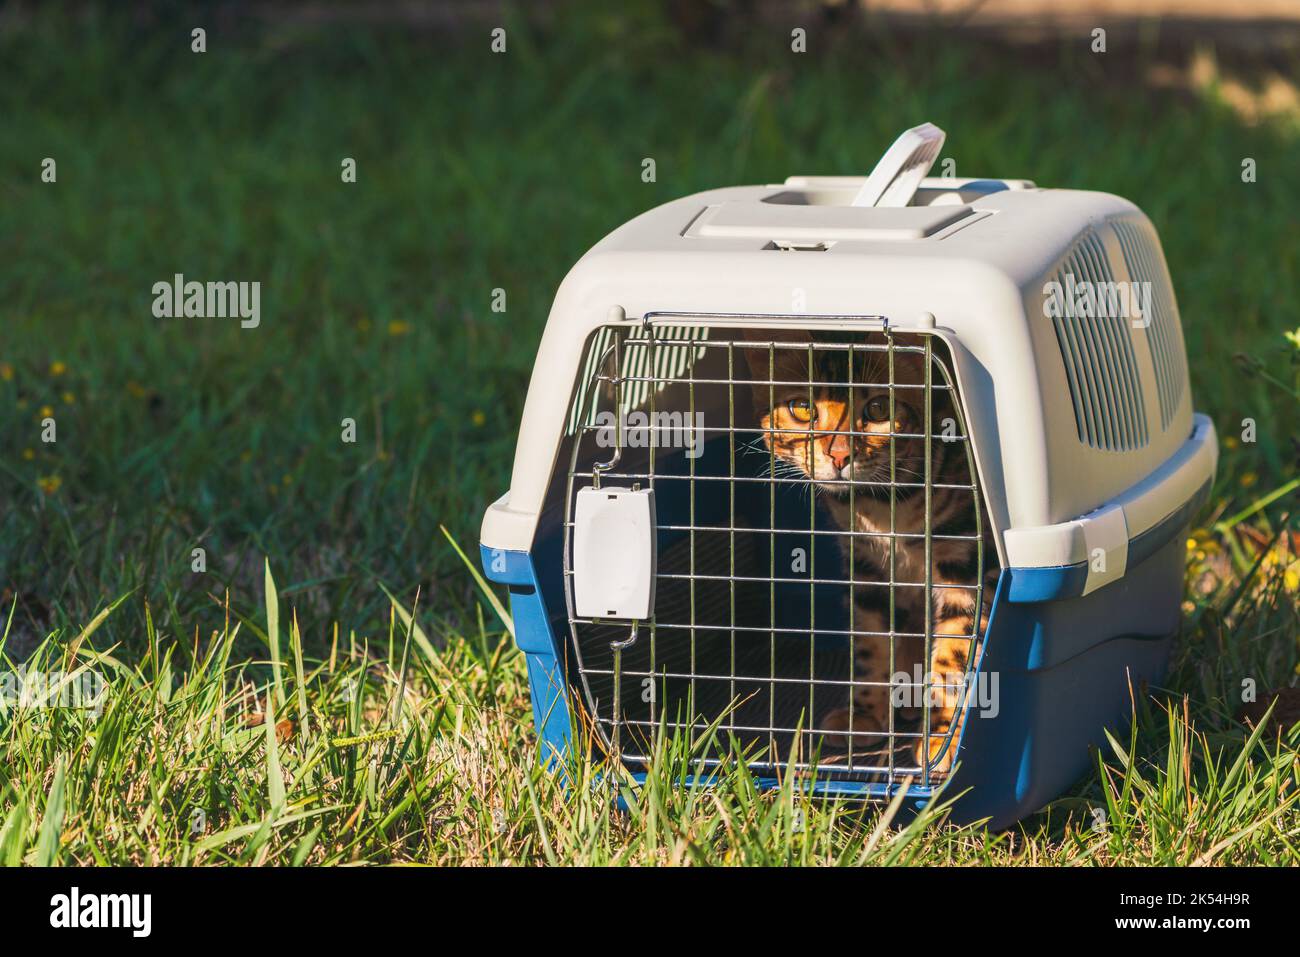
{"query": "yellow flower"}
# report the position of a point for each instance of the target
(1289, 565)
(287, 480)
(478, 418)
(47, 411)
(397, 327)
(49, 484)
(28, 455)
(6, 371)
(1230, 442)
(1248, 479)
(135, 389)
(68, 398)
(57, 368)
(363, 324)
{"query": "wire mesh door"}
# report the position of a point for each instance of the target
(821, 576)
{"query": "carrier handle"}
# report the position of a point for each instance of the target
(1075, 558)
(899, 172)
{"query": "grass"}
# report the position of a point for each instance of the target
(416, 748)
(309, 723)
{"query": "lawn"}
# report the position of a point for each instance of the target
(332, 685)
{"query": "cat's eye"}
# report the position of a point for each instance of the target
(801, 409)
(877, 409)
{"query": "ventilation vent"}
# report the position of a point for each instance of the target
(603, 354)
(1145, 265)
(1097, 349)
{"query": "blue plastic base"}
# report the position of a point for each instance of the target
(535, 638)
(1052, 676)
(1065, 670)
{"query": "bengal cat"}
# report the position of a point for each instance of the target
(800, 427)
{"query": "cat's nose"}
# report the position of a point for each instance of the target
(839, 459)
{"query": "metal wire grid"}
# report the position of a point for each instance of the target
(716, 673)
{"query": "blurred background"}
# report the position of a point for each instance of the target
(478, 171)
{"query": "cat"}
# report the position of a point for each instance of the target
(800, 427)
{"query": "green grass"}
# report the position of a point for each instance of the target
(477, 172)
(415, 747)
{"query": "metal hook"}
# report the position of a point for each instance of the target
(600, 468)
(627, 642)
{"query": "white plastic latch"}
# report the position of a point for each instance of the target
(1105, 536)
(614, 553)
(900, 171)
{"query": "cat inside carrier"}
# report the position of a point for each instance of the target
(882, 482)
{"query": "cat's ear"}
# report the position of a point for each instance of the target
(780, 362)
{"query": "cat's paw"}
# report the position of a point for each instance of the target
(837, 724)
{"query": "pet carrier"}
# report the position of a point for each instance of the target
(880, 483)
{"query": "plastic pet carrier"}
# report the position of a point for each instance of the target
(881, 482)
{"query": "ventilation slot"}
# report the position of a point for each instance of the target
(669, 365)
(1145, 265)
(1097, 349)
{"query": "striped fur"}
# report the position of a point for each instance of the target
(855, 473)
